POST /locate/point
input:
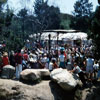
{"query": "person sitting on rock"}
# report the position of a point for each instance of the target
(78, 71)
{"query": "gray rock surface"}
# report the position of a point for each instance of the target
(34, 74)
(8, 72)
(64, 78)
(46, 90)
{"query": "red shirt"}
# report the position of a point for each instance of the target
(55, 65)
(5, 61)
(18, 58)
(65, 55)
(25, 56)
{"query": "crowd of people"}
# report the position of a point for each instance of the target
(78, 60)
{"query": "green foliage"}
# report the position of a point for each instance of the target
(82, 8)
(2, 2)
(82, 13)
(95, 32)
(46, 17)
(15, 29)
(65, 21)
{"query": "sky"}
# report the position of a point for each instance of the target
(66, 6)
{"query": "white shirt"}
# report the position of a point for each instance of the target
(96, 66)
(90, 62)
(77, 69)
(44, 59)
(50, 66)
(33, 57)
(61, 58)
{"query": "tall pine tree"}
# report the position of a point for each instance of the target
(82, 12)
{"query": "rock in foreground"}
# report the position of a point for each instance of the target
(64, 78)
(34, 74)
(45, 90)
(8, 72)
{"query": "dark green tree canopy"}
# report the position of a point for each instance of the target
(2, 2)
(47, 17)
(82, 13)
(95, 32)
(82, 8)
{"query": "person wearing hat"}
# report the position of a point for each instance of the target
(5, 59)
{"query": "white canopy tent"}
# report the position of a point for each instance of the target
(45, 35)
(74, 36)
(64, 36)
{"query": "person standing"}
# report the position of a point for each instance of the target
(62, 60)
(12, 58)
(89, 67)
(25, 60)
(33, 58)
(5, 59)
(18, 62)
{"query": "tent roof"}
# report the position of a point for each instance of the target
(61, 31)
(65, 36)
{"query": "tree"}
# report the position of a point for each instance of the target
(23, 16)
(95, 32)
(45, 15)
(82, 12)
(65, 21)
(2, 2)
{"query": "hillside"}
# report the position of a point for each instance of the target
(66, 20)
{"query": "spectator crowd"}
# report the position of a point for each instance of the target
(78, 60)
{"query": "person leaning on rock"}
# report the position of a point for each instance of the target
(78, 71)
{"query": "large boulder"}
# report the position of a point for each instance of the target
(64, 78)
(45, 90)
(34, 74)
(8, 72)
(45, 73)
